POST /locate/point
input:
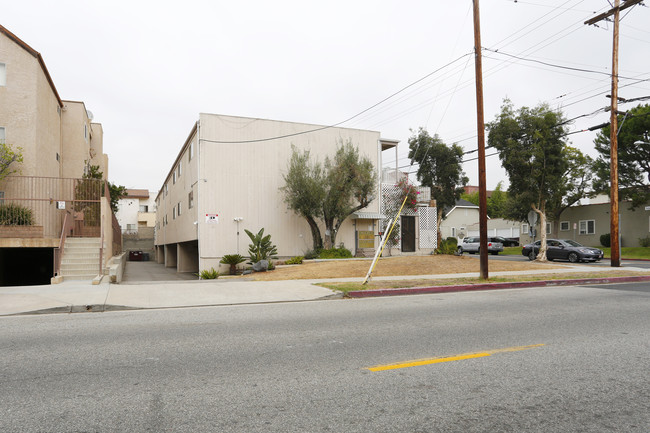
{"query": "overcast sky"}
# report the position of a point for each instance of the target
(146, 69)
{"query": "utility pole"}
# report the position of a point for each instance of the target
(613, 137)
(480, 126)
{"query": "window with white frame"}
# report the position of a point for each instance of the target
(174, 213)
(2, 135)
(190, 153)
(524, 229)
(174, 177)
(144, 208)
(180, 168)
(190, 200)
(3, 74)
(453, 231)
(564, 226)
(179, 209)
(549, 228)
(587, 227)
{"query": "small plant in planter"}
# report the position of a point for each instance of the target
(233, 260)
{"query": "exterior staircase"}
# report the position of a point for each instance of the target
(80, 259)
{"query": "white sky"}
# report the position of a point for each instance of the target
(146, 69)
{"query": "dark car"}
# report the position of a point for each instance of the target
(471, 245)
(563, 249)
(506, 242)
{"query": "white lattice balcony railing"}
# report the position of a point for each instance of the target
(425, 194)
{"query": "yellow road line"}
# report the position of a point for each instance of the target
(428, 361)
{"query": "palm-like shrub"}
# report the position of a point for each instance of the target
(233, 260)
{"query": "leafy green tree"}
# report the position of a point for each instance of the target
(261, 247)
(304, 191)
(9, 156)
(534, 153)
(633, 158)
(497, 202)
(84, 189)
(332, 192)
(350, 185)
(440, 168)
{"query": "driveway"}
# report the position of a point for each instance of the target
(147, 272)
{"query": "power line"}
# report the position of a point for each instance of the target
(344, 121)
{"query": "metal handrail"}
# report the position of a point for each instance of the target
(68, 221)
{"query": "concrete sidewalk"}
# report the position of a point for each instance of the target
(73, 296)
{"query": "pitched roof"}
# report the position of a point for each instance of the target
(460, 203)
(38, 57)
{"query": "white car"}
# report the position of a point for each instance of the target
(472, 245)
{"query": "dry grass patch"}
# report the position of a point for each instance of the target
(395, 266)
(399, 284)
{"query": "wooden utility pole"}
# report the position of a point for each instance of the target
(613, 135)
(480, 126)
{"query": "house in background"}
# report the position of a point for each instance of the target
(586, 223)
(59, 142)
(227, 178)
(136, 210)
(457, 219)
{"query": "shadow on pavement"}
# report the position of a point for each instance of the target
(136, 272)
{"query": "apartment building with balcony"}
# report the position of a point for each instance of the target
(227, 177)
(59, 142)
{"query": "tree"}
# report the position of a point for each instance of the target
(440, 168)
(633, 159)
(497, 202)
(8, 156)
(332, 192)
(350, 185)
(87, 189)
(533, 151)
(304, 192)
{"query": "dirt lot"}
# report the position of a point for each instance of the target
(392, 266)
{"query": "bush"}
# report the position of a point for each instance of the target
(645, 242)
(233, 260)
(452, 240)
(311, 254)
(335, 253)
(208, 275)
(294, 260)
(606, 240)
(15, 215)
(261, 248)
(447, 247)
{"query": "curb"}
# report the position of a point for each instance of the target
(490, 286)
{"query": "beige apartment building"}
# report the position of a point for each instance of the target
(58, 141)
(227, 178)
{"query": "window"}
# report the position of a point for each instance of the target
(549, 228)
(2, 135)
(190, 200)
(524, 229)
(130, 227)
(453, 231)
(86, 132)
(190, 153)
(587, 227)
(3, 74)
(174, 177)
(180, 168)
(166, 189)
(144, 208)
(179, 209)
(564, 226)
(174, 213)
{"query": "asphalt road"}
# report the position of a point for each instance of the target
(644, 264)
(536, 360)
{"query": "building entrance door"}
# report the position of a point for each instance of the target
(408, 234)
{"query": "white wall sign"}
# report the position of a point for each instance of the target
(647, 208)
(60, 205)
(212, 218)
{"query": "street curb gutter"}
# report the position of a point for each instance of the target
(490, 286)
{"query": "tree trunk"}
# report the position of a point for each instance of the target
(315, 233)
(541, 256)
